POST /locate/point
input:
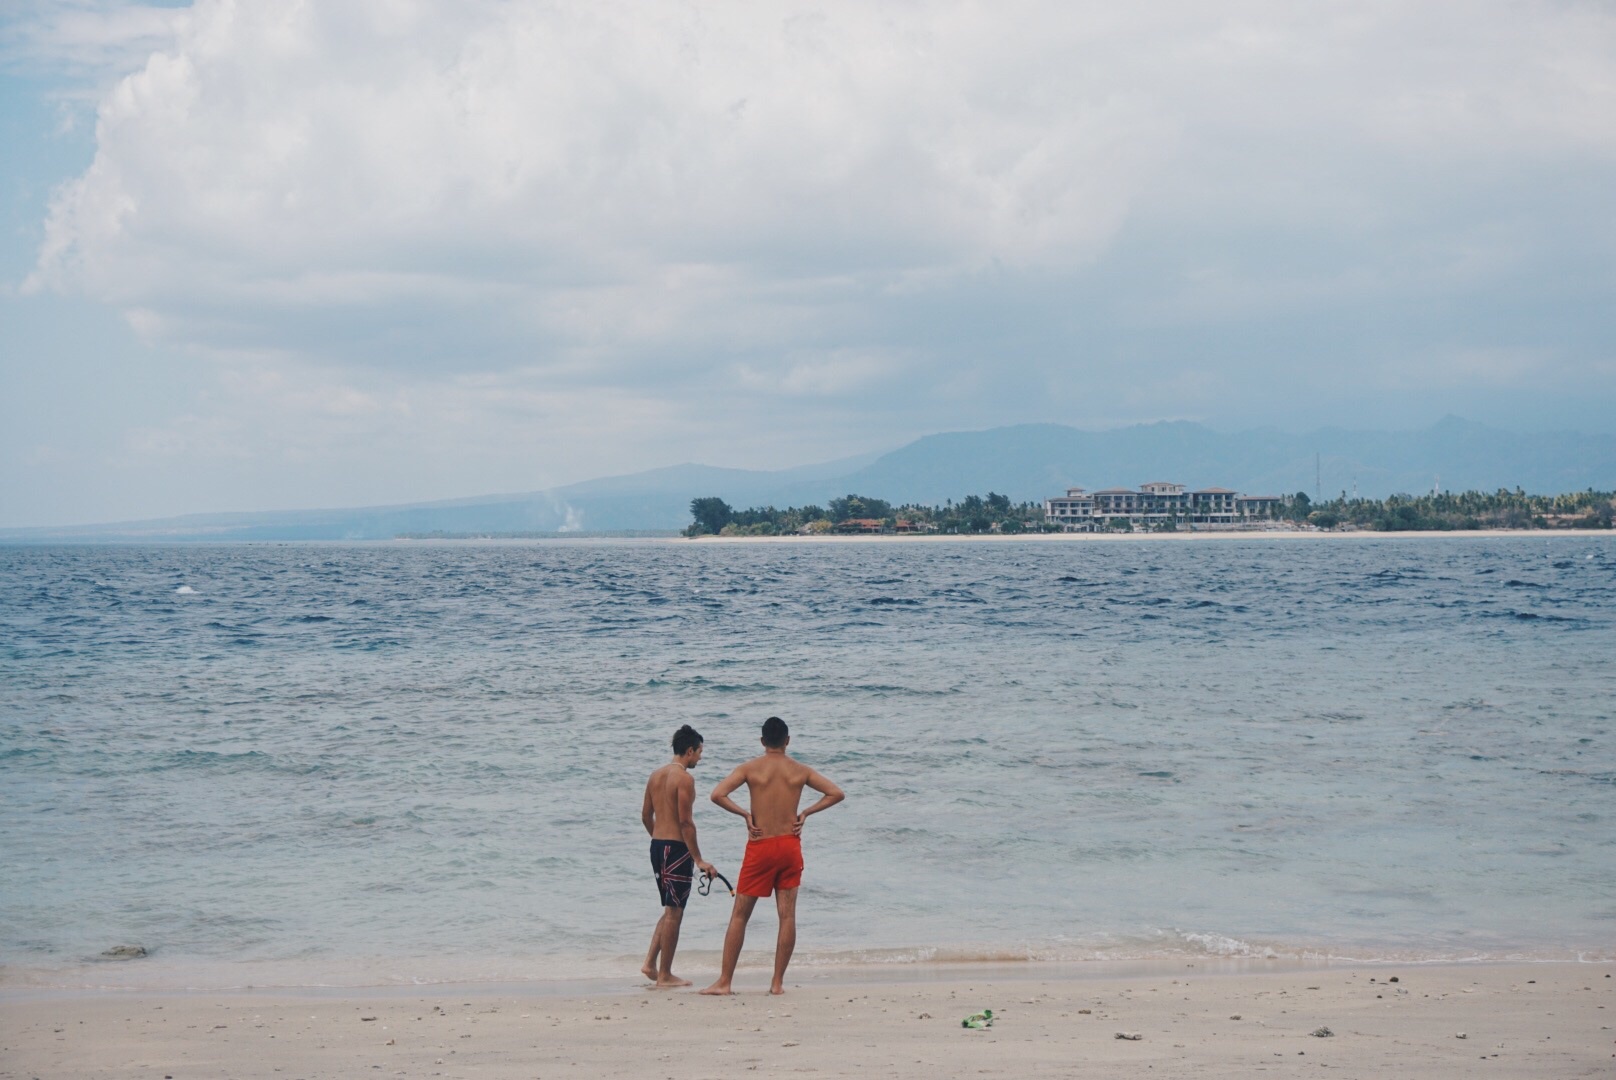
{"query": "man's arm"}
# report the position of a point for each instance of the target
(829, 796)
(721, 796)
(686, 797)
(648, 812)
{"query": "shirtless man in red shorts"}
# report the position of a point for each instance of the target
(773, 861)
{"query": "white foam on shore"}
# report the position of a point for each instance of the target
(569, 973)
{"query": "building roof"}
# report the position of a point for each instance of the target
(1214, 491)
(1117, 491)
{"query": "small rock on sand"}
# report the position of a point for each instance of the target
(1131, 1036)
(124, 952)
(1323, 1033)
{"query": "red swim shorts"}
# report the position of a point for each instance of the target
(775, 862)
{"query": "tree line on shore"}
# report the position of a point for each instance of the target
(972, 514)
(994, 513)
(1446, 511)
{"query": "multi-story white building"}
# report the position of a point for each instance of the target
(1073, 512)
(1156, 503)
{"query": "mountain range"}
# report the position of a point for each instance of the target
(1026, 462)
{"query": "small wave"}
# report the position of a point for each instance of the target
(184, 590)
(1533, 616)
(878, 601)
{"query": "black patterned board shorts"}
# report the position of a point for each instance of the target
(670, 862)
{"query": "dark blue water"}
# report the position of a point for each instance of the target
(321, 763)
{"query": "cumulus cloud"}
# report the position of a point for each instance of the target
(786, 206)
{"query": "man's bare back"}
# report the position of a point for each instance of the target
(662, 793)
(774, 784)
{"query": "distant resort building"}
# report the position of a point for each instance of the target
(1158, 503)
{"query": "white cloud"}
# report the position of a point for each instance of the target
(92, 41)
(468, 224)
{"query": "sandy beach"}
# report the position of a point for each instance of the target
(1465, 1020)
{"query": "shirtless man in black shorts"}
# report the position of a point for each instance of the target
(670, 799)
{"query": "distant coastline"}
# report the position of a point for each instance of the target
(1161, 506)
(1152, 537)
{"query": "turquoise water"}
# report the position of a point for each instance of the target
(304, 764)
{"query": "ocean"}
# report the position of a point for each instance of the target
(404, 763)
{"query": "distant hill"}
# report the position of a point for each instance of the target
(1026, 462)
(1032, 461)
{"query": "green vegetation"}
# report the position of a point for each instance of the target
(972, 514)
(1467, 510)
(995, 513)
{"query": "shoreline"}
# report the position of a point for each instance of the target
(1201, 1018)
(827, 538)
(755, 969)
(1097, 537)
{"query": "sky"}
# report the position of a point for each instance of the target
(357, 252)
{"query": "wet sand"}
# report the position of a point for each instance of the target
(1463, 1020)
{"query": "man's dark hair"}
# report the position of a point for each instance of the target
(686, 738)
(775, 732)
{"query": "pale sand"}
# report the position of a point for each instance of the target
(1516, 1020)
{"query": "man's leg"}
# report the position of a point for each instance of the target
(785, 904)
(734, 938)
(668, 939)
(649, 968)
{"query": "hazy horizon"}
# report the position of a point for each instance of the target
(363, 254)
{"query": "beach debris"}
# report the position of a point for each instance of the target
(1461, 1035)
(366, 1019)
(1085, 1012)
(789, 1044)
(125, 952)
(983, 1019)
(924, 1016)
(1130, 1036)
(1393, 979)
(1236, 1016)
(1322, 1033)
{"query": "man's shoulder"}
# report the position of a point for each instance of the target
(777, 765)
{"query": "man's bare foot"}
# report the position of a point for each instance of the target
(649, 972)
(718, 989)
(777, 989)
(670, 982)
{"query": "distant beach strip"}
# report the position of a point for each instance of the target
(1160, 507)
